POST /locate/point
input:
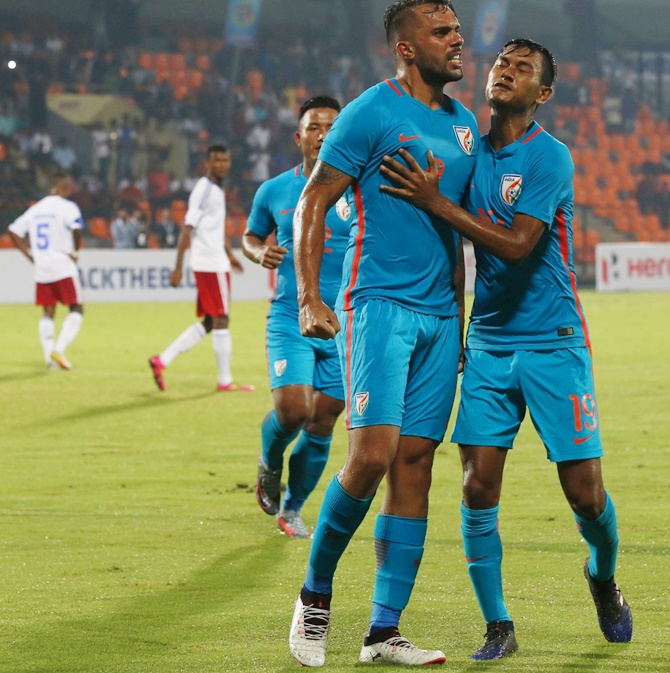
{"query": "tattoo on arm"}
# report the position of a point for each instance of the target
(326, 175)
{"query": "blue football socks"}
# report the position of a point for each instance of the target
(305, 467)
(483, 553)
(274, 440)
(399, 543)
(603, 540)
(341, 514)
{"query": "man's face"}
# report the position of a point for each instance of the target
(438, 44)
(218, 164)
(314, 125)
(515, 79)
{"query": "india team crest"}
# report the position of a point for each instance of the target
(343, 209)
(280, 366)
(510, 188)
(466, 138)
(361, 402)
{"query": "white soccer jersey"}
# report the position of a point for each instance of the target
(49, 224)
(207, 215)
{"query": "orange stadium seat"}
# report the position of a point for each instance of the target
(162, 76)
(146, 60)
(153, 242)
(178, 78)
(100, 227)
(145, 207)
(203, 62)
(181, 91)
(178, 210)
(177, 61)
(5, 242)
(194, 79)
(162, 61)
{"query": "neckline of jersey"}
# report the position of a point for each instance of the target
(513, 147)
(395, 86)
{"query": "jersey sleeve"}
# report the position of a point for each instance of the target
(546, 184)
(261, 220)
(20, 226)
(75, 219)
(197, 202)
(353, 137)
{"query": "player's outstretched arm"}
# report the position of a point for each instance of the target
(325, 186)
(258, 251)
(420, 188)
(182, 246)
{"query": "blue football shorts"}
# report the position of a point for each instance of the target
(400, 368)
(557, 388)
(297, 360)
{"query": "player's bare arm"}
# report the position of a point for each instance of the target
(182, 245)
(420, 188)
(256, 249)
(325, 186)
(21, 246)
(235, 263)
(76, 238)
(459, 283)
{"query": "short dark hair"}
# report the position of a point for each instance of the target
(395, 14)
(319, 101)
(58, 175)
(219, 147)
(549, 67)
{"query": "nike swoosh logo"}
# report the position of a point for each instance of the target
(478, 558)
(287, 211)
(581, 440)
(404, 139)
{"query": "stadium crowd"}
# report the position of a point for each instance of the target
(178, 80)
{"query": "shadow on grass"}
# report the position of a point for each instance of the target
(146, 401)
(23, 376)
(180, 629)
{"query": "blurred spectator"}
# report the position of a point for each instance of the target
(629, 110)
(143, 228)
(166, 229)
(140, 160)
(41, 146)
(124, 230)
(130, 194)
(612, 112)
(10, 122)
(101, 152)
(63, 155)
(125, 148)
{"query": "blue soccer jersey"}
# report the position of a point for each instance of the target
(533, 305)
(272, 211)
(396, 252)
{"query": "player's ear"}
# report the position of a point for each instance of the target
(405, 50)
(546, 92)
(297, 138)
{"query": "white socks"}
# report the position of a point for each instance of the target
(68, 331)
(45, 328)
(223, 349)
(190, 337)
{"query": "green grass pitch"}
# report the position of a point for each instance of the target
(131, 541)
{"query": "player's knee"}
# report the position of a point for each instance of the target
(372, 464)
(292, 417)
(588, 504)
(480, 492)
